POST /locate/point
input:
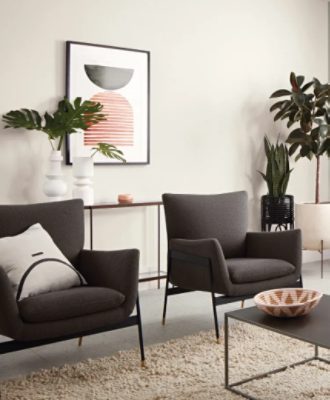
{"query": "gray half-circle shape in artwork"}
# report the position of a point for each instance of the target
(109, 78)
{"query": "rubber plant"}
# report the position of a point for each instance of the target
(278, 168)
(306, 108)
(69, 118)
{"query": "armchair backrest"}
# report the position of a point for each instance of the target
(63, 220)
(220, 216)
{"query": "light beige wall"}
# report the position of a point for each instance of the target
(214, 64)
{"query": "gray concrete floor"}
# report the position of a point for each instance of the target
(187, 314)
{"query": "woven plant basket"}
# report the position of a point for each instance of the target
(277, 211)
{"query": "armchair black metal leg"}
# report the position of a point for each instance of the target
(80, 341)
(166, 288)
(216, 324)
(165, 301)
(138, 312)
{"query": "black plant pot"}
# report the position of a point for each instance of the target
(277, 211)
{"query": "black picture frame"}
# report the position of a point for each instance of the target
(77, 53)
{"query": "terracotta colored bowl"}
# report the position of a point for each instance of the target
(125, 198)
(287, 303)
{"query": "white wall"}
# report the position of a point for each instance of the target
(214, 64)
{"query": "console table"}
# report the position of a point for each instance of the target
(158, 274)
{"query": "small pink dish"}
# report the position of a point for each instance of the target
(125, 198)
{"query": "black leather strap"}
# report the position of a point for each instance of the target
(44, 260)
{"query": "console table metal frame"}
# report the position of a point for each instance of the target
(233, 387)
(157, 204)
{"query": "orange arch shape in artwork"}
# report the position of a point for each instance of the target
(118, 128)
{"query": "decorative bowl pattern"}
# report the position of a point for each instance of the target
(287, 303)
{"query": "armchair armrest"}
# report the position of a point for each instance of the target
(117, 270)
(209, 248)
(284, 245)
(9, 314)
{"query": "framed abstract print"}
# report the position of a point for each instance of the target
(118, 78)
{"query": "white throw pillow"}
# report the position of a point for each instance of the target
(35, 265)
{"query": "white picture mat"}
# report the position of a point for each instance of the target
(136, 92)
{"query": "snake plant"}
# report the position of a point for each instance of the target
(278, 168)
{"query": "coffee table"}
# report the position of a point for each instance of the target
(313, 328)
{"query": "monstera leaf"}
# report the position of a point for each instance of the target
(68, 118)
(28, 119)
(109, 151)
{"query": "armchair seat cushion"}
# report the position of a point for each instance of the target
(248, 270)
(69, 303)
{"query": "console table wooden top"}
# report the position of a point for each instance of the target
(119, 205)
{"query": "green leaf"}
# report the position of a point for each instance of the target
(68, 118)
(296, 136)
(315, 133)
(314, 147)
(279, 115)
(37, 118)
(310, 155)
(323, 130)
(320, 112)
(293, 148)
(263, 175)
(277, 105)
(300, 80)
(294, 83)
(305, 150)
(77, 102)
(307, 86)
(318, 121)
(109, 151)
(325, 146)
(320, 102)
(299, 98)
(281, 93)
(25, 118)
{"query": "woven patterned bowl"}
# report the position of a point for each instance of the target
(287, 303)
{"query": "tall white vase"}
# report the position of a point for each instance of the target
(83, 172)
(54, 186)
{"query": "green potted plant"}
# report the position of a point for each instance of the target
(306, 108)
(276, 207)
(69, 118)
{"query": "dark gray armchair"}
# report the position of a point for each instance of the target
(106, 303)
(209, 249)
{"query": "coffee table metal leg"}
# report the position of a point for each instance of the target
(226, 353)
(233, 387)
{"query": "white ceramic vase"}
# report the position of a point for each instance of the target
(54, 186)
(83, 173)
(314, 222)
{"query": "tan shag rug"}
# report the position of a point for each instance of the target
(190, 368)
